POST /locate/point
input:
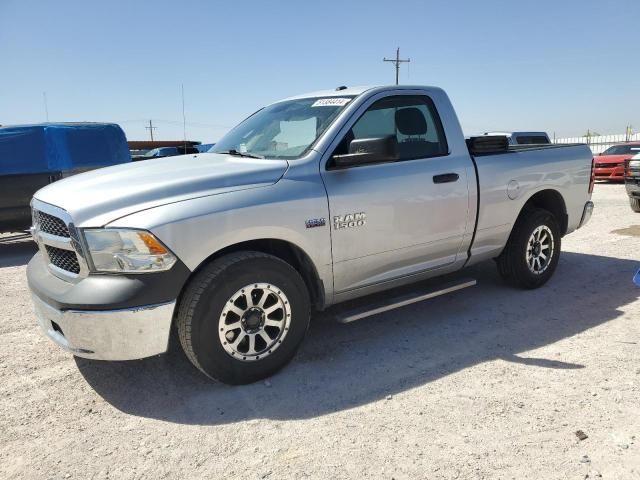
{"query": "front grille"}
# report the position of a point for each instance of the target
(64, 259)
(605, 165)
(50, 224)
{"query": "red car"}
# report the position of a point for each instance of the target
(609, 165)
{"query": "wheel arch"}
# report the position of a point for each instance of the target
(282, 249)
(552, 201)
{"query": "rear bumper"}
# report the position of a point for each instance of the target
(125, 334)
(586, 214)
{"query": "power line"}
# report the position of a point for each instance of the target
(397, 61)
(175, 122)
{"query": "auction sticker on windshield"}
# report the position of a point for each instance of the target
(331, 102)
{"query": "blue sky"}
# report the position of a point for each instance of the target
(560, 66)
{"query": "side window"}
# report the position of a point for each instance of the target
(531, 140)
(375, 123)
(412, 121)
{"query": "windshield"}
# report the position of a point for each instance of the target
(282, 130)
(622, 150)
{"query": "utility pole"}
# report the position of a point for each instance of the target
(588, 136)
(151, 128)
(397, 61)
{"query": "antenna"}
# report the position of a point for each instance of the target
(184, 122)
(46, 108)
(397, 61)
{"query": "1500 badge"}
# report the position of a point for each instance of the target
(349, 220)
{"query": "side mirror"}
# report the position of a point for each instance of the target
(369, 150)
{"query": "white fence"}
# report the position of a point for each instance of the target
(599, 143)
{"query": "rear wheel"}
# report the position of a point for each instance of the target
(635, 204)
(243, 317)
(533, 250)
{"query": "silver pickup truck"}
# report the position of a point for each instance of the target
(312, 201)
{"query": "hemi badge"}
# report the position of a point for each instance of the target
(315, 222)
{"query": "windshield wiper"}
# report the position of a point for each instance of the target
(236, 153)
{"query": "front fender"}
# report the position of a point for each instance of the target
(198, 228)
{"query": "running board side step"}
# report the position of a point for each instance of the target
(353, 314)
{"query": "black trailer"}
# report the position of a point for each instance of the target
(33, 156)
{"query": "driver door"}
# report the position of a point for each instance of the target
(396, 218)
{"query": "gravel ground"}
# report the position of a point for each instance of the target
(489, 382)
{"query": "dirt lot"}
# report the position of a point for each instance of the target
(489, 382)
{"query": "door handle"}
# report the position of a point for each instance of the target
(446, 178)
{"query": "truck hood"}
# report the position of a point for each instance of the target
(101, 196)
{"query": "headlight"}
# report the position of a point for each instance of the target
(127, 251)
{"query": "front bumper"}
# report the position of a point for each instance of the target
(609, 173)
(107, 317)
(126, 334)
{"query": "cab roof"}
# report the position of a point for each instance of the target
(355, 91)
(336, 92)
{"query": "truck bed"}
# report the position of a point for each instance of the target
(508, 178)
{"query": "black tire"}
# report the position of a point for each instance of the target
(207, 295)
(635, 204)
(512, 263)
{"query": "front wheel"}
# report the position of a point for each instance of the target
(533, 250)
(243, 317)
(635, 204)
